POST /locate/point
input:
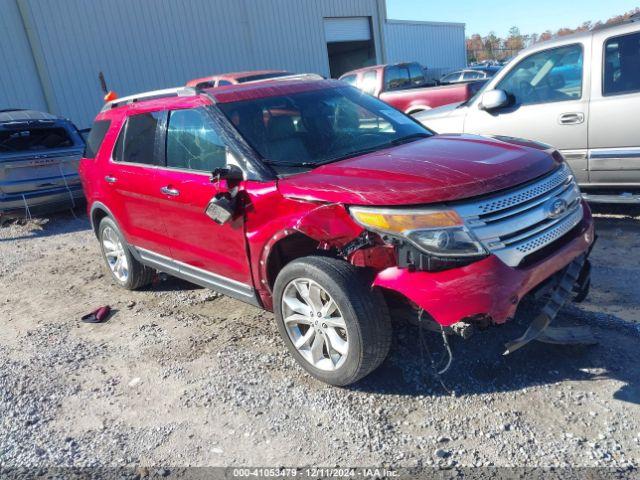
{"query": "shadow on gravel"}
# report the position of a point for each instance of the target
(54, 224)
(479, 367)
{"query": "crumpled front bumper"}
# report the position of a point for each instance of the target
(487, 287)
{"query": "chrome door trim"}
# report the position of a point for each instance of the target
(205, 278)
(603, 159)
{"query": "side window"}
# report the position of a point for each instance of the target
(193, 143)
(622, 65)
(137, 140)
(471, 75)
(369, 82)
(549, 76)
(416, 74)
(222, 83)
(396, 77)
(451, 77)
(96, 136)
(350, 79)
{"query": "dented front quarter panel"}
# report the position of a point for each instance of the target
(487, 287)
(270, 217)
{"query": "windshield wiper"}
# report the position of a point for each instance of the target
(410, 138)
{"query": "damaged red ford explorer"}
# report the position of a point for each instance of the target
(323, 204)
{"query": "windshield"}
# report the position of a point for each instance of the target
(304, 130)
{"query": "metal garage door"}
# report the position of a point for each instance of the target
(347, 29)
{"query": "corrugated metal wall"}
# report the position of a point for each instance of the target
(439, 46)
(19, 83)
(148, 44)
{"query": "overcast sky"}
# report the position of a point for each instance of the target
(500, 15)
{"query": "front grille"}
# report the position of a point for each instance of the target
(523, 220)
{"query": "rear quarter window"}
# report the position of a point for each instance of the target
(95, 138)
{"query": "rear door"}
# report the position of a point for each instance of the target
(551, 97)
(216, 254)
(614, 129)
(131, 184)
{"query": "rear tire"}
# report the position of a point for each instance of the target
(125, 270)
(334, 324)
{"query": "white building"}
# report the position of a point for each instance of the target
(53, 50)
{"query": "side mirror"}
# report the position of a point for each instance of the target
(221, 208)
(493, 100)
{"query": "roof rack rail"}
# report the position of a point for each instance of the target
(632, 19)
(152, 95)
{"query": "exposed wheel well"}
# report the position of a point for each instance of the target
(288, 249)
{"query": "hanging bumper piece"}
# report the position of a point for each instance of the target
(575, 277)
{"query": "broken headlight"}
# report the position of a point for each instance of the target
(440, 233)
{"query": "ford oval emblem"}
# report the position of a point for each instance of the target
(556, 207)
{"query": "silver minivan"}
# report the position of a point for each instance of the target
(579, 93)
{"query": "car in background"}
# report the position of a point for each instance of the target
(39, 155)
(469, 75)
(579, 93)
(235, 78)
(405, 87)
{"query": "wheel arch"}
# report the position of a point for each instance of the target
(97, 212)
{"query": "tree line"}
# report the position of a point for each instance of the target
(492, 47)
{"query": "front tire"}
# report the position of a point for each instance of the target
(334, 324)
(125, 270)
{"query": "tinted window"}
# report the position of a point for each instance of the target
(193, 143)
(396, 77)
(416, 74)
(96, 136)
(451, 77)
(550, 76)
(137, 140)
(222, 83)
(350, 79)
(369, 82)
(33, 139)
(301, 130)
(472, 75)
(622, 65)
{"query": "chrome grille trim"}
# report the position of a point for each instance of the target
(517, 196)
(519, 222)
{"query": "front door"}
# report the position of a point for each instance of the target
(614, 131)
(214, 253)
(550, 104)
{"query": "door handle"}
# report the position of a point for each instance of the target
(110, 179)
(572, 118)
(170, 191)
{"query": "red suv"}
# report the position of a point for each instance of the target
(318, 202)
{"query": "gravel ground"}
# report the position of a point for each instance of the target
(181, 376)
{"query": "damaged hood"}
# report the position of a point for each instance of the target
(436, 169)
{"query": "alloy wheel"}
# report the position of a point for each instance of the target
(315, 324)
(115, 254)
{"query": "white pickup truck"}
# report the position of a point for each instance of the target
(579, 93)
